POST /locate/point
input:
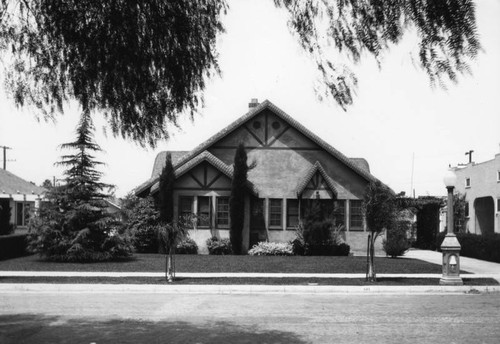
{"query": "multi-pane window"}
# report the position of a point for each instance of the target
(356, 218)
(222, 211)
(275, 212)
(204, 211)
(186, 208)
(339, 212)
(292, 212)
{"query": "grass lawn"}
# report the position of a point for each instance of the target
(206, 263)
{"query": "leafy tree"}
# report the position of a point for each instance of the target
(74, 224)
(380, 212)
(171, 235)
(166, 194)
(237, 199)
(141, 221)
(47, 184)
(143, 63)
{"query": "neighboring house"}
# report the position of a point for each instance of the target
(481, 185)
(292, 166)
(21, 196)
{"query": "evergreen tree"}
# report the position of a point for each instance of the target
(166, 194)
(237, 199)
(75, 225)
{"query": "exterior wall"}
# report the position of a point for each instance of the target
(213, 185)
(282, 158)
(482, 194)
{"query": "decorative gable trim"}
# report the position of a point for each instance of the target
(316, 168)
(154, 184)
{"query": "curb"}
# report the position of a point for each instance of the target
(241, 289)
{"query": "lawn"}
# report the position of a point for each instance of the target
(206, 263)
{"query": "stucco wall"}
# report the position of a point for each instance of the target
(485, 186)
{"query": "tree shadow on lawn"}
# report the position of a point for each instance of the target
(30, 328)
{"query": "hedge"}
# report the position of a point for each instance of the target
(484, 247)
(12, 246)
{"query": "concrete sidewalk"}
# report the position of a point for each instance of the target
(474, 266)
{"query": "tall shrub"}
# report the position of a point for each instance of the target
(5, 213)
(237, 199)
(74, 224)
(166, 196)
(141, 222)
(380, 212)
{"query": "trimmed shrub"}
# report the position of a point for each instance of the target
(187, 246)
(145, 238)
(12, 246)
(5, 212)
(271, 249)
(484, 247)
(397, 243)
(218, 246)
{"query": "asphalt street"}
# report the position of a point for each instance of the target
(265, 318)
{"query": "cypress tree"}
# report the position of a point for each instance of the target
(237, 199)
(166, 196)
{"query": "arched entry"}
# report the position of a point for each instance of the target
(484, 208)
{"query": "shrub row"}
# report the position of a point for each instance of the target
(12, 246)
(324, 249)
(484, 247)
(187, 246)
(271, 249)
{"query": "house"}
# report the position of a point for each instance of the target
(292, 166)
(480, 183)
(21, 196)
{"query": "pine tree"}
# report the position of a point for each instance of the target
(74, 225)
(237, 199)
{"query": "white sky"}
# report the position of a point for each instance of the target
(396, 113)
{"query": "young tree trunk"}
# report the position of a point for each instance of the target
(170, 269)
(371, 275)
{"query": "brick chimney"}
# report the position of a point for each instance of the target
(254, 102)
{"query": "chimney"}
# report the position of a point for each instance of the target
(254, 102)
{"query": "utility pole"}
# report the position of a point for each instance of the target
(469, 153)
(5, 156)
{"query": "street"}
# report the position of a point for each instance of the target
(281, 318)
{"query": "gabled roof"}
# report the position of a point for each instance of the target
(355, 164)
(160, 161)
(12, 184)
(154, 182)
(312, 171)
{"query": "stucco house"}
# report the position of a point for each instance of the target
(292, 166)
(20, 195)
(480, 183)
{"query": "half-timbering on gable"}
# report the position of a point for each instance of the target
(292, 167)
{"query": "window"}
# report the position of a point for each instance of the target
(498, 176)
(19, 214)
(356, 219)
(498, 205)
(186, 208)
(275, 213)
(292, 212)
(340, 212)
(467, 182)
(204, 211)
(466, 209)
(223, 212)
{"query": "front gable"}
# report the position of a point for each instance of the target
(265, 130)
(203, 177)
